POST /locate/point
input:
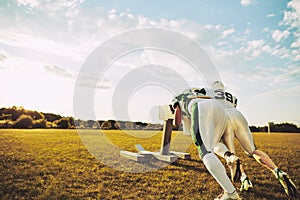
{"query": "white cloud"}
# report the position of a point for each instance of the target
(266, 29)
(297, 57)
(270, 15)
(281, 52)
(47, 5)
(296, 43)
(254, 48)
(3, 55)
(69, 31)
(29, 3)
(295, 4)
(247, 31)
(278, 35)
(292, 18)
(155, 58)
(92, 83)
(296, 54)
(293, 91)
(60, 71)
(247, 3)
(227, 32)
(43, 45)
(286, 77)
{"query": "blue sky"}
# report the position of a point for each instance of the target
(255, 45)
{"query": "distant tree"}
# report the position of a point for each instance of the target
(34, 114)
(108, 125)
(62, 123)
(4, 116)
(105, 125)
(264, 129)
(140, 125)
(40, 123)
(101, 121)
(284, 127)
(79, 123)
(50, 125)
(24, 121)
(154, 127)
(72, 122)
(89, 124)
(96, 125)
(120, 125)
(50, 117)
(129, 126)
(254, 129)
(113, 123)
(16, 112)
(5, 123)
(12, 113)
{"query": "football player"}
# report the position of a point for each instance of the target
(207, 124)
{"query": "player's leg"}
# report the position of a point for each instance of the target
(235, 164)
(246, 140)
(232, 160)
(244, 136)
(237, 171)
(203, 136)
(283, 178)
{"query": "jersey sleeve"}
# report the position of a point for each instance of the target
(186, 125)
(184, 98)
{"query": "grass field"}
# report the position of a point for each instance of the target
(54, 164)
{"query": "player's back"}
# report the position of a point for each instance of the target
(225, 98)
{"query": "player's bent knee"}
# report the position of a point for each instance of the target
(203, 151)
(250, 151)
(249, 154)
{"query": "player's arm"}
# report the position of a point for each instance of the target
(185, 120)
(178, 115)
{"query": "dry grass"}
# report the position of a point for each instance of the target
(53, 164)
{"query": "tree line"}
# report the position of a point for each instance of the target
(18, 117)
(281, 127)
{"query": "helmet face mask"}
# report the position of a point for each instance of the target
(218, 85)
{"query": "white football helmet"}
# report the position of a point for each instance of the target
(218, 85)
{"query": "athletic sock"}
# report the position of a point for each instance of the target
(221, 150)
(243, 176)
(217, 170)
(275, 171)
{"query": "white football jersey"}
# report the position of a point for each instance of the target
(185, 97)
(225, 98)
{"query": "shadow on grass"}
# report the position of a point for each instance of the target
(269, 191)
(190, 165)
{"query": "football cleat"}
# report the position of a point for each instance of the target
(287, 184)
(225, 196)
(234, 165)
(246, 184)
